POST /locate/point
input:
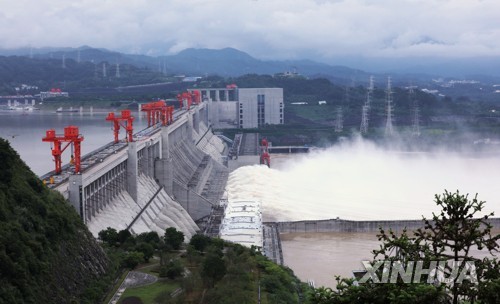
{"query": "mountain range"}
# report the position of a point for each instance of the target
(230, 62)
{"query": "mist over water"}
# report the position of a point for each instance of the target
(360, 181)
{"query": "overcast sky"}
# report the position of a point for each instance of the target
(266, 29)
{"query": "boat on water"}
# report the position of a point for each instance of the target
(30, 108)
(70, 110)
(16, 108)
(19, 108)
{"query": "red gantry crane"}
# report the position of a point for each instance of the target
(196, 96)
(265, 158)
(153, 110)
(70, 137)
(190, 98)
(186, 96)
(158, 111)
(125, 120)
(167, 115)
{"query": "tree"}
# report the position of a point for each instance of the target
(199, 241)
(174, 238)
(149, 237)
(146, 249)
(449, 235)
(132, 259)
(213, 269)
(109, 236)
(123, 236)
(172, 269)
(454, 232)
(322, 295)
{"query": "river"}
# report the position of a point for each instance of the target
(25, 130)
(322, 256)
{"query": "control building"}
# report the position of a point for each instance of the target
(233, 107)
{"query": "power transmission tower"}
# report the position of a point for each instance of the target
(339, 120)
(366, 108)
(104, 72)
(364, 119)
(389, 130)
(415, 112)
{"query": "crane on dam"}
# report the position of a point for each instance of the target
(125, 120)
(158, 111)
(186, 99)
(265, 158)
(70, 137)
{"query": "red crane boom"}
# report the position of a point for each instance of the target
(70, 137)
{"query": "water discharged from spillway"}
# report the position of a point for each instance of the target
(360, 181)
(161, 213)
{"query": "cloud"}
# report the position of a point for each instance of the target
(264, 28)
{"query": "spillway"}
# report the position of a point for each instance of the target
(167, 176)
(360, 181)
(161, 212)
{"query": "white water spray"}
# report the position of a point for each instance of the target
(360, 181)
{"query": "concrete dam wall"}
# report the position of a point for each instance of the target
(338, 225)
(169, 176)
(155, 210)
(199, 178)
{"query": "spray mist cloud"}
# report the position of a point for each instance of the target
(360, 181)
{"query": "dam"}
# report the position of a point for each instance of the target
(168, 176)
(176, 175)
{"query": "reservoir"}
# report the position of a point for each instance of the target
(24, 130)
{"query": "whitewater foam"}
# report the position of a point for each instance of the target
(360, 181)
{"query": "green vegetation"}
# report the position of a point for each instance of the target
(148, 294)
(206, 268)
(449, 235)
(231, 273)
(49, 73)
(47, 254)
(173, 238)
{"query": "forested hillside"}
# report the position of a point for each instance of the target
(48, 73)
(47, 254)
